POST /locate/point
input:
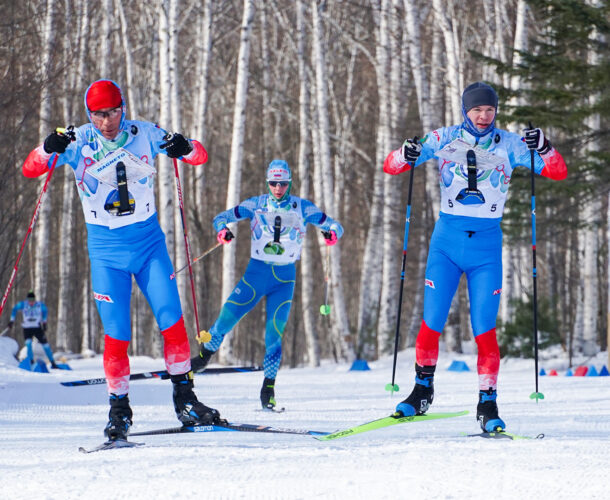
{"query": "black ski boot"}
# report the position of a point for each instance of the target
(487, 412)
(188, 408)
(268, 394)
(119, 418)
(422, 395)
(198, 363)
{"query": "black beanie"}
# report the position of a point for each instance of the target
(31, 295)
(479, 94)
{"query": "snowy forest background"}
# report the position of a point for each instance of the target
(332, 87)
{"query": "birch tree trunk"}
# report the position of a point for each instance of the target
(591, 216)
(452, 50)
(429, 97)
(107, 13)
(200, 128)
(66, 249)
(340, 325)
(65, 298)
(165, 170)
(509, 292)
(236, 160)
(44, 127)
(389, 52)
(133, 104)
(183, 281)
(370, 277)
(266, 76)
(85, 290)
(608, 278)
(307, 257)
(579, 316)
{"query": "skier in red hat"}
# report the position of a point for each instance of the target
(113, 163)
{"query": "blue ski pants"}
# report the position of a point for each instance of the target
(463, 245)
(261, 279)
(116, 255)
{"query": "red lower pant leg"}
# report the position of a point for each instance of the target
(488, 361)
(426, 346)
(116, 365)
(176, 349)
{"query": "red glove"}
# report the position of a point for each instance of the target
(224, 236)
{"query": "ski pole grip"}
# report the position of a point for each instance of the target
(68, 131)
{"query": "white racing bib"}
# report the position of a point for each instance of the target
(140, 183)
(277, 236)
(105, 170)
(492, 178)
(456, 152)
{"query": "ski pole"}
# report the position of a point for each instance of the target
(4, 331)
(394, 387)
(207, 252)
(534, 395)
(68, 131)
(186, 239)
(325, 308)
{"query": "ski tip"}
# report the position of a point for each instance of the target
(111, 445)
(536, 396)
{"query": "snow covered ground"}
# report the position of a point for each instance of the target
(42, 424)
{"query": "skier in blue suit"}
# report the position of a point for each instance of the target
(278, 223)
(34, 324)
(467, 237)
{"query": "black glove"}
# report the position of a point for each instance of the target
(176, 145)
(534, 138)
(43, 326)
(411, 149)
(57, 143)
(327, 235)
(10, 325)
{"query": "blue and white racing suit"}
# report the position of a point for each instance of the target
(122, 246)
(277, 229)
(467, 237)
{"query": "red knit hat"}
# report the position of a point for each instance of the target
(103, 94)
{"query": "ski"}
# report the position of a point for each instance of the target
(502, 435)
(386, 422)
(228, 426)
(162, 374)
(111, 445)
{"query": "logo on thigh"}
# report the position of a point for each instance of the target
(102, 297)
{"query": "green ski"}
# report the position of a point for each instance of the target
(386, 422)
(502, 435)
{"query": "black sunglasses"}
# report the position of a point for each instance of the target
(278, 183)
